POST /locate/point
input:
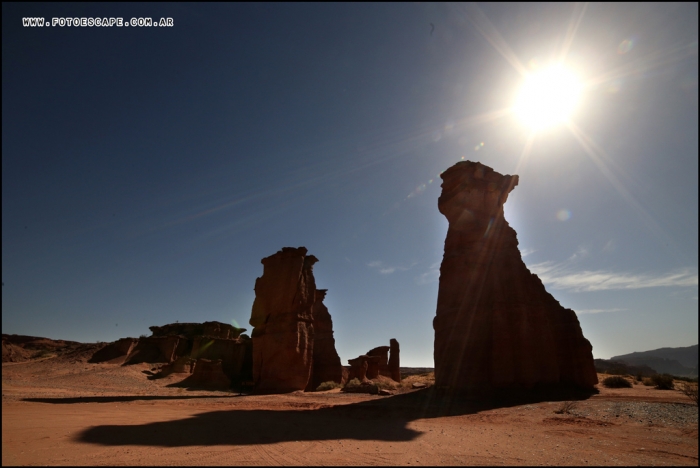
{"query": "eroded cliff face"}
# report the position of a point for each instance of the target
(496, 326)
(326, 362)
(282, 317)
(382, 360)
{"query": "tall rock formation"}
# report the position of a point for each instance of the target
(394, 361)
(377, 362)
(282, 317)
(326, 362)
(496, 326)
(382, 352)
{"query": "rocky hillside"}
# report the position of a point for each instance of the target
(676, 361)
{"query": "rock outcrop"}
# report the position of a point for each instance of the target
(191, 330)
(207, 373)
(382, 364)
(181, 365)
(496, 326)
(394, 361)
(359, 367)
(282, 317)
(326, 362)
(293, 343)
(179, 345)
(115, 352)
(19, 348)
(377, 362)
(154, 349)
(233, 353)
(12, 352)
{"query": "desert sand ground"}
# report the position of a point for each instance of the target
(65, 411)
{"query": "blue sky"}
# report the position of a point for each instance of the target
(146, 171)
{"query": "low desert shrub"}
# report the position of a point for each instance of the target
(616, 382)
(567, 407)
(41, 353)
(385, 383)
(330, 385)
(648, 382)
(663, 381)
(355, 386)
(353, 383)
(690, 389)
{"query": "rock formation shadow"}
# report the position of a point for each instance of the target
(120, 399)
(383, 419)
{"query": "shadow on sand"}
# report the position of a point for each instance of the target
(383, 419)
(120, 399)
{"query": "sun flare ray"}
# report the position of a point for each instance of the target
(482, 24)
(525, 153)
(644, 64)
(603, 162)
(577, 17)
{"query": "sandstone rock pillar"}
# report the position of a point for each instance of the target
(394, 363)
(282, 317)
(496, 326)
(382, 354)
(326, 362)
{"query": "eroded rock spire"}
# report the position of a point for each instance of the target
(496, 326)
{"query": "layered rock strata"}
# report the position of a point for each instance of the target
(382, 352)
(496, 326)
(382, 360)
(282, 320)
(359, 367)
(394, 361)
(232, 353)
(115, 352)
(207, 373)
(191, 330)
(155, 349)
(179, 345)
(326, 362)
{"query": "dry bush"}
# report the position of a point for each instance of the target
(617, 382)
(648, 382)
(330, 385)
(427, 378)
(567, 407)
(690, 390)
(380, 382)
(385, 383)
(41, 353)
(663, 381)
(353, 383)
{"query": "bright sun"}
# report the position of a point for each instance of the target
(548, 98)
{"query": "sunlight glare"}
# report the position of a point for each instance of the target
(548, 98)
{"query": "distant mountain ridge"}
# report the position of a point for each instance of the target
(676, 361)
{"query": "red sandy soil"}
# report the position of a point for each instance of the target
(61, 411)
